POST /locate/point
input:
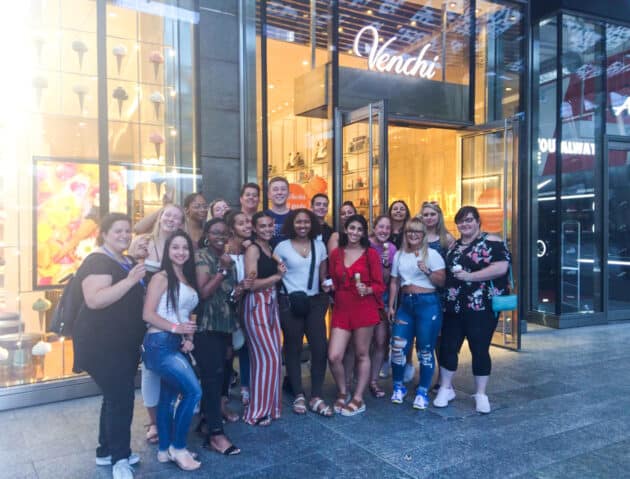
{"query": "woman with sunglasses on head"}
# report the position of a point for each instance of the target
(379, 240)
(477, 264)
(307, 268)
(417, 272)
(171, 298)
(399, 214)
(438, 237)
(357, 276)
(263, 324)
(216, 276)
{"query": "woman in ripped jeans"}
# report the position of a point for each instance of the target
(418, 270)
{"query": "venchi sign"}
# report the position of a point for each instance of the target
(379, 60)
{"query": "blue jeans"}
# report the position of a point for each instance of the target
(419, 315)
(162, 356)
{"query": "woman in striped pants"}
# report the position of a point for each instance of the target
(263, 325)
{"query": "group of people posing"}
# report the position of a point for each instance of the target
(202, 283)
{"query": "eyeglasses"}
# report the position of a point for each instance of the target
(466, 221)
(199, 206)
(218, 233)
(414, 232)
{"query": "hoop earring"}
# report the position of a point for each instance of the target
(206, 242)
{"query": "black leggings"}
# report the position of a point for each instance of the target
(294, 328)
(476, 326)
(209, 352)
(115, 377)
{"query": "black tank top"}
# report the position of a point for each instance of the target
(266, 264)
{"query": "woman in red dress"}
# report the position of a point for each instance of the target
(355, 269)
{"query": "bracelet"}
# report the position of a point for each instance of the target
(173, 328)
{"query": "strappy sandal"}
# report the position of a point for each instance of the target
(376, 391)
(263, 421)
(152, 434)
(318, 406)
(353, 408)
(184, 460)
(299, 405)
(340, 403)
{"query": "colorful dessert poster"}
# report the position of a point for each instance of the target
(66, 215)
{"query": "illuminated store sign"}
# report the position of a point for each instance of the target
(548, 145)
(381, 61)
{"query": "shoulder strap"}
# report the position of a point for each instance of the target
(312, 268)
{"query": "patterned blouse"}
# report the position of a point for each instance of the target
(462, 296)
(216, 314)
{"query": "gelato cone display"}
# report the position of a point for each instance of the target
(120, 52)
(120, 95)
(39, 83)
(39, 40)
(157, 141)
(157, 59)
(41, 348)
(157, 99)
(41, 305)
(81, 91)
(80, 48)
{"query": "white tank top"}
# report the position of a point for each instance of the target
(187, 301)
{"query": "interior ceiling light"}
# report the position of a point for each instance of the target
(369, 12)
(452, 5)
(413, 23)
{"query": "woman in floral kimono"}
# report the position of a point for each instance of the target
(476, 267)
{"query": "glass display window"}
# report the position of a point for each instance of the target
(52, 155)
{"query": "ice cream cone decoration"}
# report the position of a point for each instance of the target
(81, 91)
(39, 83)
(39, 40)
(120, 52)
(41, 305)
(120, 94)
(157, 141)
(157, 59)
(80, 47)
(157, 99)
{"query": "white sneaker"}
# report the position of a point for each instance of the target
(410, 372)
(122, 470)
(444, 396)
(421, 402)
(107, 460)
(482, 405)
(398, 396)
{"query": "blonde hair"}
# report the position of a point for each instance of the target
(416, 223)
(156, 226)
(440, 228)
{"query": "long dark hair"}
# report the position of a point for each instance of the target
(407, 215)
(343, 236)
(172, 290)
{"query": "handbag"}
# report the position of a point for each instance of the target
(507, 302)
(299, 301)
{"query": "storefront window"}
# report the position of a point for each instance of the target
(298, 130)
(618, 80)
(500, 60)
(544, 229)
(53, 159)
(581, 154)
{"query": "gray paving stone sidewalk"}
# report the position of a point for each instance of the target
(560, 411)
